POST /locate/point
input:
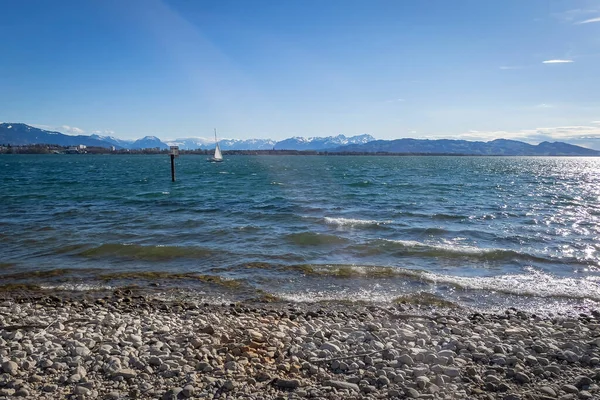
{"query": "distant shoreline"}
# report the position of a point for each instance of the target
(49, 149)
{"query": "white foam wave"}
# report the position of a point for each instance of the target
(535, 283)
(352, 222)
(77, 287)
(448, 247)
(362, 295)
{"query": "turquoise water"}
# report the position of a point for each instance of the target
(480, 231)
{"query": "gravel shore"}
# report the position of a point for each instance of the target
(125, 346)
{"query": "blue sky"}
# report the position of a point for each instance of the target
(474, 70)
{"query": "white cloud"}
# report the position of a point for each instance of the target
(509, 67)
(570, 16)
(42, 126)
(589, 21)
(556, 61)
(104, 132)
(544, 105)
(73, 129)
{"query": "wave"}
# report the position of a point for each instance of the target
(315, 239)
(147, 253)
(346, 296)
(448, 251)
(534, 283)
(77, 287)
(353, 271)
(435, 216)
(155, 276)
(360, 184)
(354, 222)
(366, 296)
(47, 273)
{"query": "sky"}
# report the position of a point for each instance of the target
(272, 69)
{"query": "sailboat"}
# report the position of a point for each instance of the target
(218, 157)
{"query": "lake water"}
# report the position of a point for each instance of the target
(486, 232)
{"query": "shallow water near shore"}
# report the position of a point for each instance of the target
(483, 232)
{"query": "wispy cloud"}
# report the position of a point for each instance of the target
(104, 132)
(395, 100)
(509, 67)
(42, 126)
(589, 21)
(544, 105)
(570, 16)
(73, 129)
(556, 61)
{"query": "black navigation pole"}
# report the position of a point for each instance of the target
(174, 152)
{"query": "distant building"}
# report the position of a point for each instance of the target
(79, 149)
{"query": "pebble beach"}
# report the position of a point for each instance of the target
(132, 346)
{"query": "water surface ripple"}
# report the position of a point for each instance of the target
(481, 231)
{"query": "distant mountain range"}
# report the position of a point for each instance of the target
(317, 143)
(449, 146)
(22, 134)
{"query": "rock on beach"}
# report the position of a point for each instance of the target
(151, 348)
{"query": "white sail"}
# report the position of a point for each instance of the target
(218, 155)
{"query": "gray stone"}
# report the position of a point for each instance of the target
(406, 359)
(23, 392)
(522, 377)
(7, 392)
(81, 351)
(50, 388)
(81, 390)
(155, 361)
(287, 383)
(342, 385)
(10, 367)
(569, 389)
(188, 391)
(451, 372)
(331, 347)
(126, 373)
(207, 329)
(583, 381)
(368, 389)
(548, 391)
(383, 381)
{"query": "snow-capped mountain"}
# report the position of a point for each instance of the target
(19, 134)
(225, 144)
(149, 142)
(126, 144)
(320, 143)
